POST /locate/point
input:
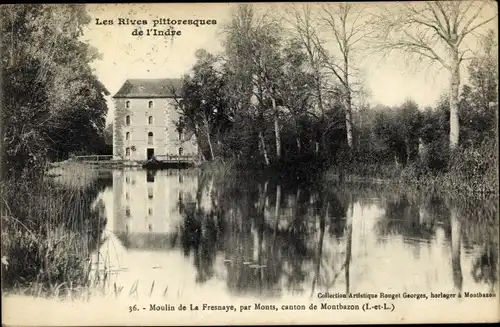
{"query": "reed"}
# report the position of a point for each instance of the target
(49, 230)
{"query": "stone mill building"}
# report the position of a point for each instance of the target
(148, 122)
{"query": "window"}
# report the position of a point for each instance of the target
(150, 192)
(150, 138)
(127, 152)
(127, 180)
(150, 104)
(127, 120)
(150, 227)
(180, 151)
(127, 104)
(181, 179)
(180, 135)
(127, 212)
(150, 211)
(126, 195)
(150, 120)
(127, 136)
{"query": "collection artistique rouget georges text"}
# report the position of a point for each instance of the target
(405, 295)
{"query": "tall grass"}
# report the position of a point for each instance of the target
(470, 170)
(49, 230)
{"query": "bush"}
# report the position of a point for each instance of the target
(475, 168)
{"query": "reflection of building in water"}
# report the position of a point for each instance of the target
(147, 205)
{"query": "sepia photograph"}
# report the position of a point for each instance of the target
(249, 163)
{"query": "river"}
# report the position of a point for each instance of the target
(190, 237)
(185, 232)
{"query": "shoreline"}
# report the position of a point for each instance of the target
(443, 182)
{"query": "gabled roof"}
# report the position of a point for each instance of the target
(150, 88)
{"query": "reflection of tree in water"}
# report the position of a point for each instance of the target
(272, 239)
(267, 231)
(199, 235)
(337, 215)
(331, 260)
(485, 267)
(479, 229)
(469, 222)
(404, 217)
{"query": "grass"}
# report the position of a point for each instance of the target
(74, 175)
(49, 230)
(458, 179)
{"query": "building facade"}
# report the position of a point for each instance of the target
(148, 121)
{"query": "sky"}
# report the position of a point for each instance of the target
(123, 55)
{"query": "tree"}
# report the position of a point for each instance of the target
(108, 135)
(51, 101)
(399, 128)
(204, 105)
(296, 87)
(303, 29)
(253, 48)
(347, 23)
(268, 62)
(478, 104)
(439, 31)
(410, 122)
(239, 49)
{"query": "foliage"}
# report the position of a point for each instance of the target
(52, 103)
(266, 102)
(478, 107)
(256, 102)
(205, 104)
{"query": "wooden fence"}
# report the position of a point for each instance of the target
(175, 158)
(97, 157)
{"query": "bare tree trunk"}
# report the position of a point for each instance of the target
(348, 122)
(276, 129)
(198, 140)
(263, 148)
(421, 149)
(455, 85)
(209, 140)
(322, 111)
(348, 100)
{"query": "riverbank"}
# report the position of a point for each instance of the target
(53, 225)
(414, 178)
(458, 178)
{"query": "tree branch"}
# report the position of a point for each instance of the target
(470, 30)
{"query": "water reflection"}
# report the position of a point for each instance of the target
(267, 239)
